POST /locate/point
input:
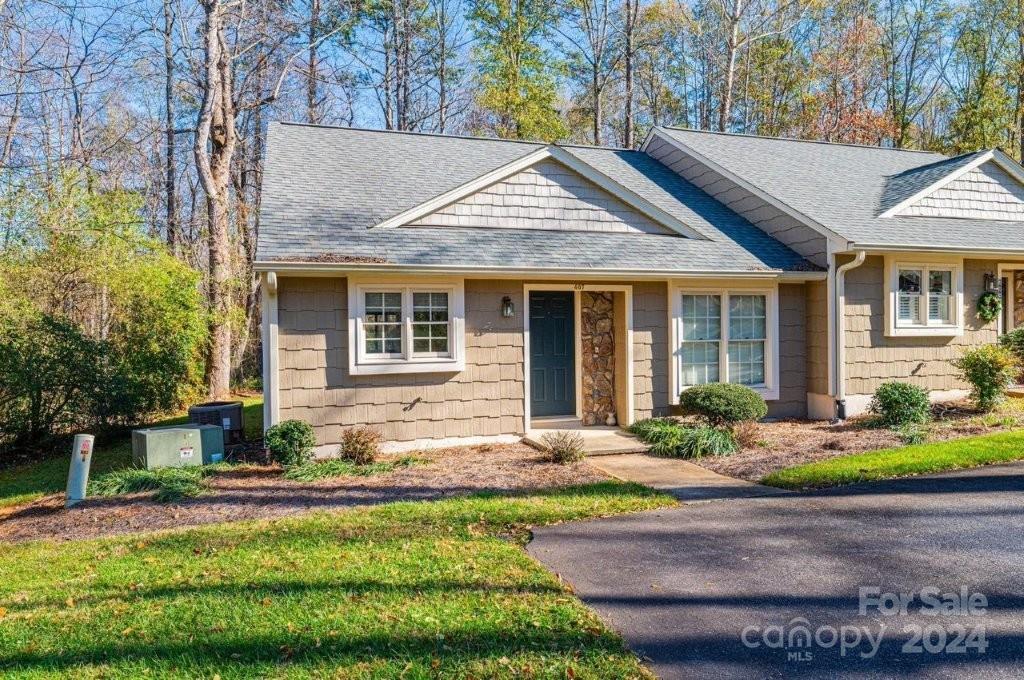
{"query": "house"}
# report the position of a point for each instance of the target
(456, 290)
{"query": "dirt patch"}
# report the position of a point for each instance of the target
(261, 492)
(768, 447)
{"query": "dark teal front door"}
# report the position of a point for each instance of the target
(552, 354)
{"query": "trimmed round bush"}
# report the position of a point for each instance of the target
(723, 404)
(898, 404)
(290, 442)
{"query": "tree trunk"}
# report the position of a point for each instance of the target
(313, 113)
(596, 94)
(631, 11)
(214, 148)
(730, 66)
(170, 185)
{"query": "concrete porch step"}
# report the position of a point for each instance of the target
(597, 441)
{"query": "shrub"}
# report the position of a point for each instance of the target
(747, 435)
(723, 404)
(563, 446)
(912, 434)
(898, 404)
(989, 369)
(1014, 341)
(360, 445)
(290, 442)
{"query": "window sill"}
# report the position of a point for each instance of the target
(925, 332)
(399, 366)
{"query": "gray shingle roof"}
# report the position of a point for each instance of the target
(846, 187)
(324, 188)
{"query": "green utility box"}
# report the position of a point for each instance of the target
(177, 446)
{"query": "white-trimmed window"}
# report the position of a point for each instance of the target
(726, 336)
(405, 328)
(924, 298)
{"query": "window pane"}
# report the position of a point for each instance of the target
(701, 328)
(430, 323)
(909, 308)
(382, 323)
(910, 281)
(940, 282)
(746, 362)
(747, 317)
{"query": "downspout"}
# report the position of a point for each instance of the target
(840, 339)
(268, 307)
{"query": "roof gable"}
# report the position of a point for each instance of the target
(985, 188)
(545, 195)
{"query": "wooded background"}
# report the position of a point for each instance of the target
(168, 101)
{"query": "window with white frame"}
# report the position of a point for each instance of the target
(726, 337)
(925, 298)
(405, 328)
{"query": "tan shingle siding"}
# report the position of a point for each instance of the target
(799, 237)
(650, 349)
(792, 401)
(547, 195)
(817, 337)
(872, 358)
(485, 399)
(987, 192)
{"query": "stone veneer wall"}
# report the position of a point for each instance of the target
(597, 341)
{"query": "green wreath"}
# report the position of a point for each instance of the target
(990, 306)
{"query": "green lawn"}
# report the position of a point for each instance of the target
(901, 462)
(413, 590)
(28, 482)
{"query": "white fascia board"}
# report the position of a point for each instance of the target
(955, 174)
(763, 195)
(981, 253)
(485, 180)
(628, 197)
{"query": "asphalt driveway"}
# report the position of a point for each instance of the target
(809, 585)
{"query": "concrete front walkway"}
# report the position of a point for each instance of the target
(597, 440)
(682, 479)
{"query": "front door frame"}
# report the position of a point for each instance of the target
(1008, 269)
(576, 289)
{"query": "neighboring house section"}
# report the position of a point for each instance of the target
(987, 192)
(450, 290)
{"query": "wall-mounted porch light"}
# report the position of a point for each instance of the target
(507, 308)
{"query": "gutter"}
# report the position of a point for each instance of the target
(840, 339)
(298, 267)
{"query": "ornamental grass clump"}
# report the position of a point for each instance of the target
(563, 447)
(667, 437)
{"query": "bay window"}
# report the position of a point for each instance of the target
(725, 336)
(923, 299)
(405, 328)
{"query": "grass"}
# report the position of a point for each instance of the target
(901, 462)
(339, 467)
(30, 482)
(416, 590)
(170, 484)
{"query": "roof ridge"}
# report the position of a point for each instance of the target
(805, 141)
(445, 135)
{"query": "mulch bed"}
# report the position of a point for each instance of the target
(260, 492)
(781, 444)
